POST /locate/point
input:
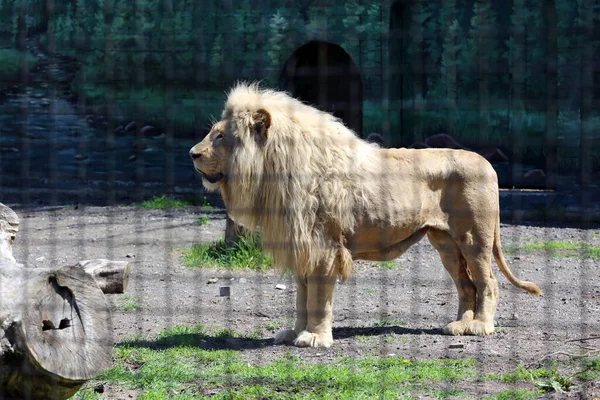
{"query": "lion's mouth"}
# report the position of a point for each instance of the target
(211, 178)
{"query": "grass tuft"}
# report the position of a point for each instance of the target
(247, 253)
(558, 249)
(160, 202)
(388, 264)
(128, 303)
(203, 220)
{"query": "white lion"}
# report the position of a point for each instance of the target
(323, 197)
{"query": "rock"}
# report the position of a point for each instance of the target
(7, 150)
(419, 145)
(456, 346)
(281, 286)
(375, 137)
(494, 155)
(132, 158)
(443, 141)
(243, 280)
(131, 127)
(99, 388)
(212, 280)
(80, 157)
(120, 129)
(45, 103)
(149, 130)
(139, 146)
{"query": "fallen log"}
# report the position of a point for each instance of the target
(111, 276)
(9, 226)
(55, 330)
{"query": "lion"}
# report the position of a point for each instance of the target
(322, 198)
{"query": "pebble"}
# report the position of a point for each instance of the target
(281, 287)
(212, 280)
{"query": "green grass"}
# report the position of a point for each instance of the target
(200, 362)
(160, 202)
(558, 249)
(246, 254)
(515, 394)
(175, 365)
(128, 303)
(388, 264)
(203, 220)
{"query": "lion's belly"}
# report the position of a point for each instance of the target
(381, 244)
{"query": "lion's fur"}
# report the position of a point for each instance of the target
(321, 197)
(309, 162)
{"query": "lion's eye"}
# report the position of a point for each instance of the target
(219, 136)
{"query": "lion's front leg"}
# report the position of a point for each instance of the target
(289, 335)
(319, 310)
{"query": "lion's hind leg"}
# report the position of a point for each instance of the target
(479, 264)
(456, 265)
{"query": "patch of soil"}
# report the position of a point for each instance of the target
(415, 299)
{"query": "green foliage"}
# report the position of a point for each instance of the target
(13, 63)
(247, 253)
(203, 220)
(128, 303)
(160, 202)
(388, 264)
(278, 44)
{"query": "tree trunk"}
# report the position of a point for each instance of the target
(55, 330)
(233, 232)
(111, 276)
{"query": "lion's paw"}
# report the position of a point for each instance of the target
(479, 328)
(285, 336)
(456, 328)
(308, 339)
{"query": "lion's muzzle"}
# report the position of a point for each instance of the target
(195, 155)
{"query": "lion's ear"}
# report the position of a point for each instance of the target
(261, 121)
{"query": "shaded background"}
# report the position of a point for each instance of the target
(101, 99)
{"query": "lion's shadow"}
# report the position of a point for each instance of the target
(219, 342)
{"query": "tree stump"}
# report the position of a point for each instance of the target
(233, 232)
(55, 330)
(111, 276)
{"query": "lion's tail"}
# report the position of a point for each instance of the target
(501, 261)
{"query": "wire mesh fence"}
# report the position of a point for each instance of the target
(102, 100)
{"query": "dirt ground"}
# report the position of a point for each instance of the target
(415, 299)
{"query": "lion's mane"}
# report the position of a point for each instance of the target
(304, 185)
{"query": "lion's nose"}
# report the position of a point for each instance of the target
(195, 155)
